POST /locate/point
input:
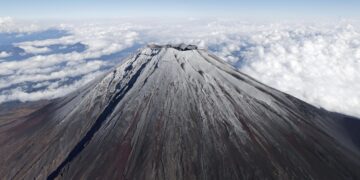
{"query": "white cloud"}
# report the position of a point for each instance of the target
(4, 54)
(5, 22)
(9, 25)
(34, 49)
(49, 93)
(320, 66)
(316, 62)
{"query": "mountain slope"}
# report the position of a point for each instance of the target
(177, 112)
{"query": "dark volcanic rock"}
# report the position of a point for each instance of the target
(177, 112)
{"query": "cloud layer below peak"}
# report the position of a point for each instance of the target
(318, 63)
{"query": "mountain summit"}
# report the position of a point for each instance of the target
(179, 112)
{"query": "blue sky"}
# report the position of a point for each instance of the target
(234, 8)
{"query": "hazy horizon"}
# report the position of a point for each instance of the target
(259, 9)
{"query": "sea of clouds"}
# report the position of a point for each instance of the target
(316, 62)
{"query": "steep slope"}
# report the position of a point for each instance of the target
(177, 112)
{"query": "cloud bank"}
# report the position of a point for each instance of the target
(316, 62)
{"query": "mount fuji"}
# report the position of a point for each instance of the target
(179, 112)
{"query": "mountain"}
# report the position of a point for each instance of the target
(179, 112)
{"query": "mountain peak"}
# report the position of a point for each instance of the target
(180, 47)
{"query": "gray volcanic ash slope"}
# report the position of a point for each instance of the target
(177, 112)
